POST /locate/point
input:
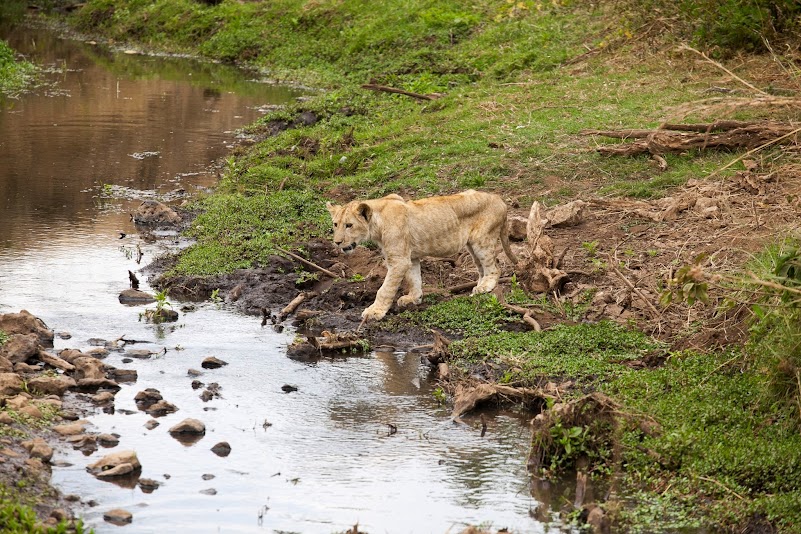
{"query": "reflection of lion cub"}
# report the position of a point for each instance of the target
(436, 226)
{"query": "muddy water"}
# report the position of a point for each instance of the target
(75, 157)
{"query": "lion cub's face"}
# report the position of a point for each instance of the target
(350, 224)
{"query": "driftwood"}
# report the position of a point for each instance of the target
(395, 90)
(294, 303)
(537, 273)
(338, 341)
(676, 138)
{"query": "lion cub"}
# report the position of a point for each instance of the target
(435, 226)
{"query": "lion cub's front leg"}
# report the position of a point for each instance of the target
(414, 285)
(386, 293)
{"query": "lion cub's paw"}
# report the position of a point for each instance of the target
(373, 313)
(409, 300)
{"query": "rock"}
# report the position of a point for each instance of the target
(122, 375)
(7, 367)
(70, 429)
(566, 215)
(31, 411)
(597, 520)
(54, 361)
(20, 347)
(88, 367)
(71, 354)
(103, 397)
(134, 296)
(91, 385)
(38, 448)
(212, 363)
(98, 352)
(206, 396)
(197, 384)
(207, 476)
(193, 372)
(115, 464)
(59, 514)
(148, 485)
(108, 440)
(209, 491)
(17, 402)
(64, 335)
(286, 388)
(221, 449)
(19, 367)
(5, 419)
(147, 397)
(51, 385)
(189, 426)
(10, 384)
(151, 212)
(118, 516)
(53, 400)
(161, 408)
(26, 323)
(150, 425)
(139, 354)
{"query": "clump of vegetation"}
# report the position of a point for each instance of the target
(18, 517)
(15, 74)
(585, 353)
(477, 315)
(3, 337)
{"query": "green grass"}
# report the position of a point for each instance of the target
(586, 353)
(3, 337)
(15, 75)
(17, 515)
(237, 231)
(718, 440)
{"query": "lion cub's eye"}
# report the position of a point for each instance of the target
(348, 225)
(335, 225)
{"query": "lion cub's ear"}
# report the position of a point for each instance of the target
(331, 208)
(364, 211)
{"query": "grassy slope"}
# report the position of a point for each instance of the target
(507, 122)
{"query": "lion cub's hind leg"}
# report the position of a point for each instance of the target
(414, 286)
(484, 257)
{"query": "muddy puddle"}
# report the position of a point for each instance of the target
(361, 440)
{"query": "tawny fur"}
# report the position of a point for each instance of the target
(435, 226)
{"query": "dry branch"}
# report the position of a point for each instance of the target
(307, 263)
(683, 137)
(394, 90)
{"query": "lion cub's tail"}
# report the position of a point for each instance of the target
(505, 242)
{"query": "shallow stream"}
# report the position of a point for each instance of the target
(76, 158)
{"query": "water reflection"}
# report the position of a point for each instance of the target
(101, 111)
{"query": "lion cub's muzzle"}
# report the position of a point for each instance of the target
(350, 248)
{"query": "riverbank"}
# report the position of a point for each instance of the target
(503, 93)
(15, 74)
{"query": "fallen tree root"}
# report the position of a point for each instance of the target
(330, 341)
(467, 398)
(676, 138)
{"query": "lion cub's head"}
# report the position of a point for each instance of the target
(351, 224)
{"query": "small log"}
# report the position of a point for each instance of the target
(395, 90)
(337, 341)
(293, 305)
(307, 263)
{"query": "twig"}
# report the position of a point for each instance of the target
(306, 262)
(634, 288)
(724, 69)
(757, 149)
(722, 486)
(386, 89)
(718, 368)
(293, 305)
(772, 285)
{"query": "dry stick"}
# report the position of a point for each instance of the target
(634, 288)
(722, 486)
(386, 89)
(757, 149)
(306, 262)
(772, 285)
(727, 71)
(292, 306)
